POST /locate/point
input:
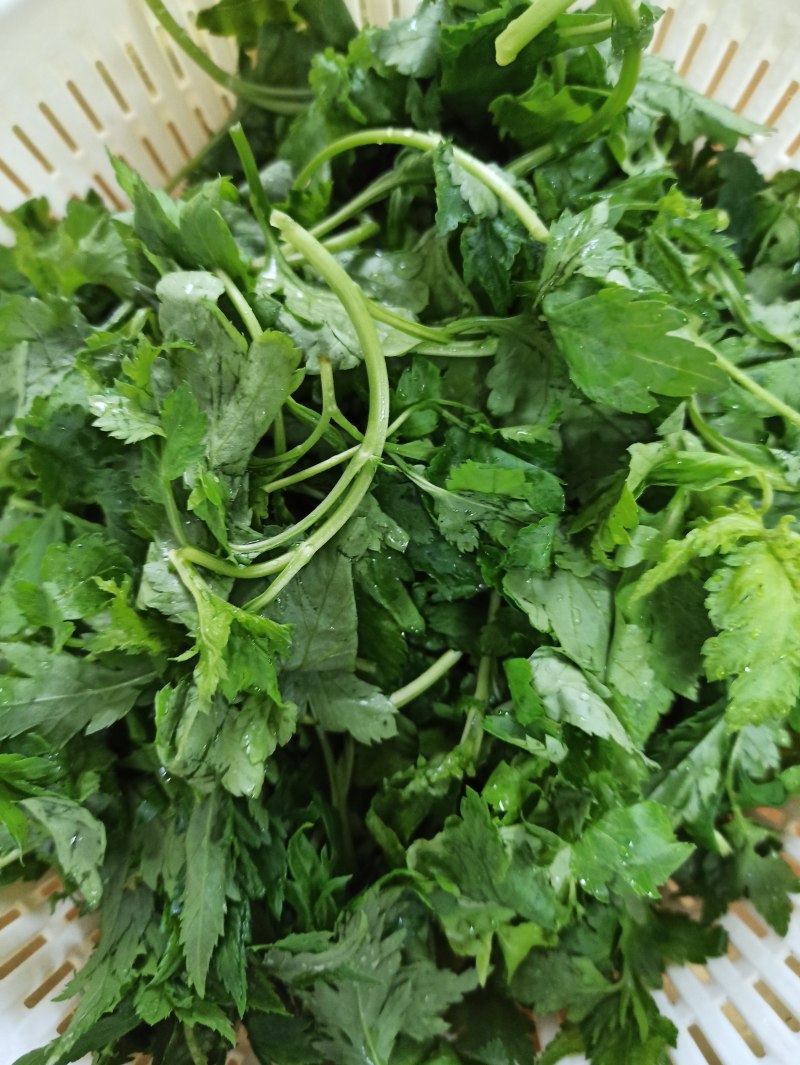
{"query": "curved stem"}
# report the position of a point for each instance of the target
(473, 724)
(411, 691)
(283, 101)
(519, 33)
(311, 471)
(258, 198)
(755, 389)
(493, 178)
(373, 193)
(288, 458)
(369, 453)
(310, 520)
(350, 238)
(239, 300)
(614, 104)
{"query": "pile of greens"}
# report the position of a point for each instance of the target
(400, 602)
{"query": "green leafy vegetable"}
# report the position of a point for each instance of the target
(399, 575)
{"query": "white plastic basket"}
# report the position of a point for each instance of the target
(80, 77)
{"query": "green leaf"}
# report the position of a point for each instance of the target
(661, 90)
(342, 702)
(754, 600)
(79, 838)
(184, 427)
(240, 387)
(411, 46)
(628, 850)
(60, 695)
(570, 697)
(204, 901)
(622, 348)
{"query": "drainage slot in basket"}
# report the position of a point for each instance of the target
(663, 29)
(747, 917)
(695, 43)
(64, 1023)
(49, 886)
(670, 990)
(789, 94)
(21, 956)
(154, 155)
(777, 1006)
(724, 63)
(204, 123)
(48, 985)
(14, 178)
(58, 126)
(35, 151)
(181, 143)
(85, 106)
(141, 69)
(112, 87)
(9, 917)
(744, 1030)
(793, 963)
(107, 192)
(701, 972)
(703, 1045)
(751, 86)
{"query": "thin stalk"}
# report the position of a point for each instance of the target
(428, 142)
(302, 555)
(366, 459)
(373, 193)
(755, 389)
(279, 434)
(614, 104)
(519, 33)
(311, 417)
(288, 458)
(196, 1052)
(339, 784)
(311, 471)
(13, 856)
(261, 206)
(173, 514)
(282, 101)
(473, 724)
(350, 238)
(411, 691)
(239, 300)
(198, 557)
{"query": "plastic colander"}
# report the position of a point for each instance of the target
(81, 77)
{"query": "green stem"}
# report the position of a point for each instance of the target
(261, 206)
(411, 691)
(369, 453)
(238, 299)
(522, 30)
(288, 458)
(272, 98)
(373, 193)
(406, 325)
(746, 381)
(473, 724)
(9, 859)
(428, 142)
(311, 471)
(210, 562)
(350, 238)
(614, 104)
(279, 434)
(173, 514)
(196, 1052)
